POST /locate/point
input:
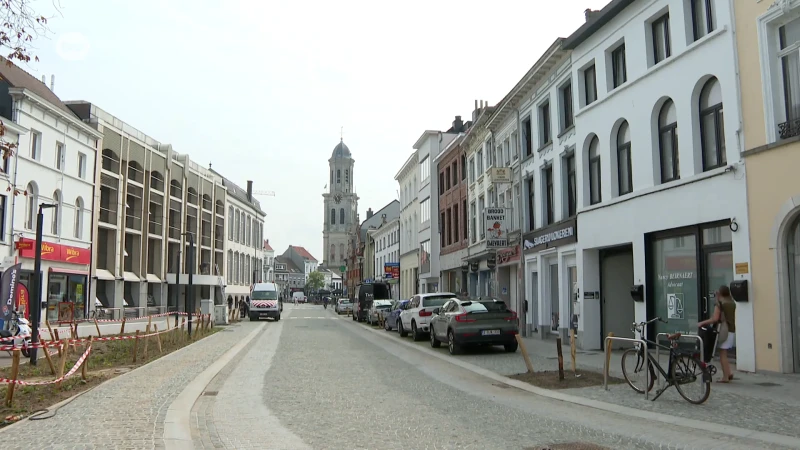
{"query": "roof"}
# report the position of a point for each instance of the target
(267, 247)
(456, 142)
(425, 135)
(19, 78)
(291, 267)
(391, 210)
(411, 162)
(597, 21)
(341, 151)
(240, 194)
(303, 252)
(535, 74)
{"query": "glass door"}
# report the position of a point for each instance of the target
(554, 299)
(717, 260)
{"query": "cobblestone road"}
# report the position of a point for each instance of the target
(126, 412)
(328, 383)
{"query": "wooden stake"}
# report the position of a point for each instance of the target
(85, 365)
(572, 349)
(158, 339)
(49, 358)
(560, 360)
(62, 363)
(136, 346)
(525, 356)
(60, 347)
(50, 330)
(14, 373)
(122, 328)
(608, 352)
(99, 334)
(146, 340)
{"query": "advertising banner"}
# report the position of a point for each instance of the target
(391, 271)
(498, 223)
(55, 252)
(8, 290)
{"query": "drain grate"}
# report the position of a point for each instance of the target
(211, 393)
(767, 384)
(570, 446)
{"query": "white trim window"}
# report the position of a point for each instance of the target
(779, 45)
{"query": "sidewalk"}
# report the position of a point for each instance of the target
(753, 401)
(127, 411)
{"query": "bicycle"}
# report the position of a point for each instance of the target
(683, 367)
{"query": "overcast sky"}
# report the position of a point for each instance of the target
(262, 88)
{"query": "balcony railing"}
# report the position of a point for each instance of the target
(133, 222)
(789, 129)
(156, 183)
(155, 227)
(108, 216)
(175, 190)
(174, 232)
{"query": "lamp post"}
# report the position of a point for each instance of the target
(190, 285)
(37, 276)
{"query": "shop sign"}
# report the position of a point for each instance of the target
(23, 300)
(500, 174)
(474, 266)
(559, 234)
(508, 255)
(56, 252)
(491, 261)
(391, 271)
(498, 222)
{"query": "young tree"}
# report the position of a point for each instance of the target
(316, 280)
(19, 26)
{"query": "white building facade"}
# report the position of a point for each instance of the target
(245, 238)
(53, 164)
(386, 262)
(662, 214)
(407, 179)
(268, 265)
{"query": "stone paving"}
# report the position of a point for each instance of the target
(767, 407)
(126, 412)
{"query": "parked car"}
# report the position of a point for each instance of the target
(390, 323)
(416, 315)
(376, 311)
(474, 322)
(365, 294)
(343, 306)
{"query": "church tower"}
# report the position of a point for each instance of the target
(341, 208)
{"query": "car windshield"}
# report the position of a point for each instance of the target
(264, 295)
(435, 300)
(471, 307)
(493, 306)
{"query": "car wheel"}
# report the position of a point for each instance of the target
(386, 325)
(511, 348)
(253, 318)
(278, 318)
(434, 342)
(400, 329)
(415, 335)
(451, 343)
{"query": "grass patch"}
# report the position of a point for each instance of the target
(107, 360)
(549, 379)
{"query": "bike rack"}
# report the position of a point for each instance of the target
(690, 336)
(643, 343)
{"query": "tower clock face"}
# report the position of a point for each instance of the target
(337, 198)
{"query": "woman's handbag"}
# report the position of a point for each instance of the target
(722, 329)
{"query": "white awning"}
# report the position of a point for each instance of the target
(103, 274)
(130, 276)
(153, 279)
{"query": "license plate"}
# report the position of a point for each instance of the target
(490, 332)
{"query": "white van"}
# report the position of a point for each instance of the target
(264, 301)
(299, 297)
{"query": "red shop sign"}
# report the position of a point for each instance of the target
(56, 252)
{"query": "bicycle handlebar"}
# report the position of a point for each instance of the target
(640, 326)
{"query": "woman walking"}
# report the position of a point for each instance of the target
(725, 316)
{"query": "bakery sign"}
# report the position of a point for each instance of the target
(508, 255)
(562, 233)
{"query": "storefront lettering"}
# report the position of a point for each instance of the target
(677, 276)
(554, 236)
(55, 252)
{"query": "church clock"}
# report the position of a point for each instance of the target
(337, 198)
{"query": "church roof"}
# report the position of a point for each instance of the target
(341, 151)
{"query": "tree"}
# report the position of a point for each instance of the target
(19, 26)
(316, 280)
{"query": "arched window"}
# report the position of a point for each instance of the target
(333, 253)
(338, 175)
(229, 268)
(341, 251)
(235, 275)
(624, 173)
(333, 216)
(712, 128)
(236, 225)
(78, 218)
(31, 206)
(247, 230)
(595, 195)
(668, 142)
(331, 177)
(341, 216)
(230, 223)
(56, 225)
(347, 176)
(241, 268)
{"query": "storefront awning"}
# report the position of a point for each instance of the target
(103, 274)
(130, 276)
(69, 271)
(153, 279)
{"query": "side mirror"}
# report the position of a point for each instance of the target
(436, 311)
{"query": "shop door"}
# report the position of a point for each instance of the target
(533, 307)
(554, 298)
(717, 266)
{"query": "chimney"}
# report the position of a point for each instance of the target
(458, 125)
(44, 80)
(475, 112)
(52, 83)
(249, 190)
(590, 14)
(369, 213)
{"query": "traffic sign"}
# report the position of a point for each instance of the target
(342, 268)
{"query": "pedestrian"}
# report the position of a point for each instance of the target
(725, 317)
(230, 303)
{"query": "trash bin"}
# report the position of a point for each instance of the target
(709, 336)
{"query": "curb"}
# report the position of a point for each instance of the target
(763, 436)
(177, 423)
(65, 401)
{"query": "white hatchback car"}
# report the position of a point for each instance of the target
(417, 314)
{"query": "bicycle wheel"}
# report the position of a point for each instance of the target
(633, 370)
(688, 372)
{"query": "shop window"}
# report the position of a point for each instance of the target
(675, 283)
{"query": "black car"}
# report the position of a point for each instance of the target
(365, 294)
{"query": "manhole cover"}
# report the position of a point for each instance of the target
(767, 384)
(570, 446)
(211, 393)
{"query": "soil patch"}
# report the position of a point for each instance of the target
(107, 360)
(549, 379)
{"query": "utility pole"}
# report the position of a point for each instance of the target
(521, 302)
(190, 285)
(37, 276)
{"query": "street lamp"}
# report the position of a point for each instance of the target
(190, 285)
(37, 270)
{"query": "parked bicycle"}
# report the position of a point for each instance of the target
(683, 367)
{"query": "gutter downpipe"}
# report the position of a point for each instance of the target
(522, 312)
